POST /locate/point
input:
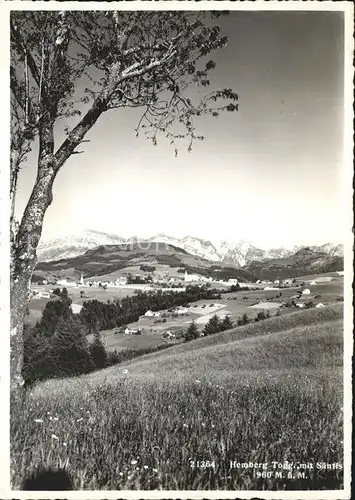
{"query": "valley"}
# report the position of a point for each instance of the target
(270, 381)
(251, 392)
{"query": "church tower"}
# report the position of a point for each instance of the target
(82, 279)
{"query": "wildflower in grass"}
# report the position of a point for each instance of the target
(155, 470)
(129, 477)
(55, 437)
(198, 381)
(121, 473)
(38, 420)
(145, 467)
(137, 468)
(125, 371)
(65, 444)
(134, 462)
(80, 419)
(55, 419)
(185, 425)
(212, 425)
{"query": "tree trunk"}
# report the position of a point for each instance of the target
(19, 297)
(25, 243)
(24, 256)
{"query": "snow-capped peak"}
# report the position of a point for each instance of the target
(239, 254)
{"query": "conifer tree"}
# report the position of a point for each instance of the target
(97, 350)
(227, 323)
(192, 332)
(213, 326)
(70, 348)
(245, 319)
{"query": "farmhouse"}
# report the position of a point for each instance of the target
(306, 291)
(122, 280)
(289, 281)
(130, 331)
(76, 308)
(320, 305)
(183, 310)
(233, 281)
(169, 335)
(151, 314)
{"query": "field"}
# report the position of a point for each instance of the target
(234, 304)
(37, 305)
(174, 420)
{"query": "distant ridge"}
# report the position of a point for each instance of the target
(241, 255)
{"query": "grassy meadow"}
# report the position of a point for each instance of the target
(173, 420)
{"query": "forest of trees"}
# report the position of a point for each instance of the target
(129, 309)
(214, 325)
(57, 346)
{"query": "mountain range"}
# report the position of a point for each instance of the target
(239, 255)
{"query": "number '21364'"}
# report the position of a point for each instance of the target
(202, 464)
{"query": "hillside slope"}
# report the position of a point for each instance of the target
(255, 398)
(304, 261)
(313, 318)
(106, 259)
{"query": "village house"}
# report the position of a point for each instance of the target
(306, 291)
(183, 310)
(169, 335)
(151, 314)
(76, 308)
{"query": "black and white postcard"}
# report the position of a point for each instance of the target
(176, 249)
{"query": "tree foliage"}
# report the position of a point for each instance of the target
(212, 326)
(192, 332)
(149, 60)
(226, 323)
(97, 350)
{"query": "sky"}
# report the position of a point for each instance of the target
(270, 173)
